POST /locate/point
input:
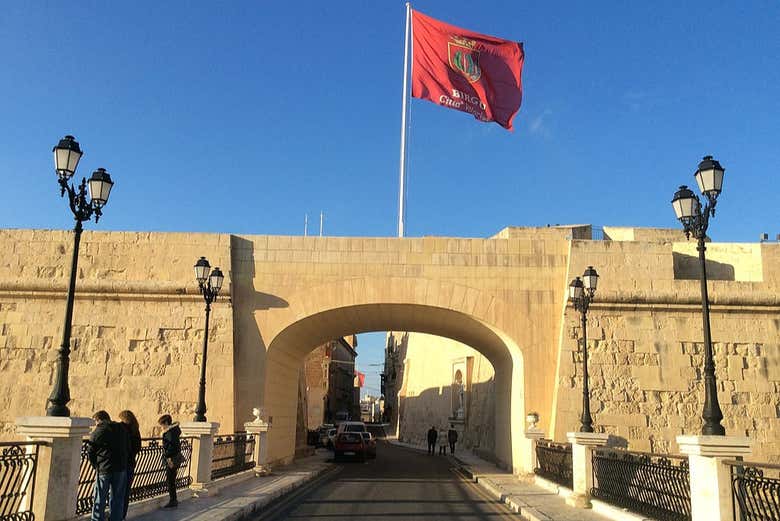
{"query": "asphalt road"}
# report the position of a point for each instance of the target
(400, 484)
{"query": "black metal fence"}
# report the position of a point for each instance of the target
(149, 478)
(651, 484)
(554, 462)
(232, 454)
(756, 490)
(18, 464)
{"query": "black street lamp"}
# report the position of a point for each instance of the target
(66, 158)
(695, 221)
(581, 293)
(209, 287)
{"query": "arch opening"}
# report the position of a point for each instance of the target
(288, 349)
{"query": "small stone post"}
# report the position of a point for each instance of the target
(711, 497)
(57, 473)
(528, 444)
(202, 452)
(259, 429)
(582, 445)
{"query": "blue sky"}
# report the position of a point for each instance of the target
(243, 116)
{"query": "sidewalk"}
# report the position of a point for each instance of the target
(535, 499)
(244, 498)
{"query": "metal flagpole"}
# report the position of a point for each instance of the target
(404, 101)
(305, 224)
(322, 218)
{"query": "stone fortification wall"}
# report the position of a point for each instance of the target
(137, 325)
(646, 349)
(427, 391)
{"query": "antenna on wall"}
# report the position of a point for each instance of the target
(322, 220)
(305, 224)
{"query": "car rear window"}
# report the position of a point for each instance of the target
(355, 428)
(349, 437)
(366, 435)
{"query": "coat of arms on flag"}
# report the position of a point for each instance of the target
(464, 57)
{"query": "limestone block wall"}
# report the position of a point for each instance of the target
(293, 293)
(426, 395)
(646, 348)
(137, 325)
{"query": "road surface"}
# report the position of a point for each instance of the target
(399, 485)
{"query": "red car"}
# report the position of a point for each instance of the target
(349, 444)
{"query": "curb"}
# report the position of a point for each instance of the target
(256, 506)
(514, 503)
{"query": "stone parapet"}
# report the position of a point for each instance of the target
(711, 495)
(582, 445)
(202, 434)
(59, 460)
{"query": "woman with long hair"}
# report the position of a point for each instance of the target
(130, 423)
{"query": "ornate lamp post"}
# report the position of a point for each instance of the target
(695, 221)
(209, 287)
(581, 293)
(66, 158)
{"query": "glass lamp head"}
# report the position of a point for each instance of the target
(709, 176)
(590, 279)
(215, 280)
(67, 154)
(202, 270)
(100, 185)
(685, 204)
(576, 288)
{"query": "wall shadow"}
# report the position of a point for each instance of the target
(686, 267)
(249, 347)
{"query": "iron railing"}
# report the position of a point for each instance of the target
(554, 462)
(149, 477)
(756, 491)
(18, 464)
(651, 484)
(232, 454)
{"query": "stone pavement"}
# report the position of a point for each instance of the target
(534, 499)
(238, 500)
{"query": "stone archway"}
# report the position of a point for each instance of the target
(343, 311)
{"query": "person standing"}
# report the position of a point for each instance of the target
(107, 452)
(452, 437)
(432, 435)
(172, 456)
(130, 424)
(442, 437)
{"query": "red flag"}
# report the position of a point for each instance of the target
(466, 71)
(360, 379)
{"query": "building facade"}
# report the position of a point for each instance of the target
(329, 376)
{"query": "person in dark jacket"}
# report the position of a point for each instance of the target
(432, 435)
(108, 452)
(452, 437)
(130, 424)
(171, 455)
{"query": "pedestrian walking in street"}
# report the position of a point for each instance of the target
(442, 442)
(130, 424)
(432, 435)
(107, 452)
(452, 437)
(172, 456)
